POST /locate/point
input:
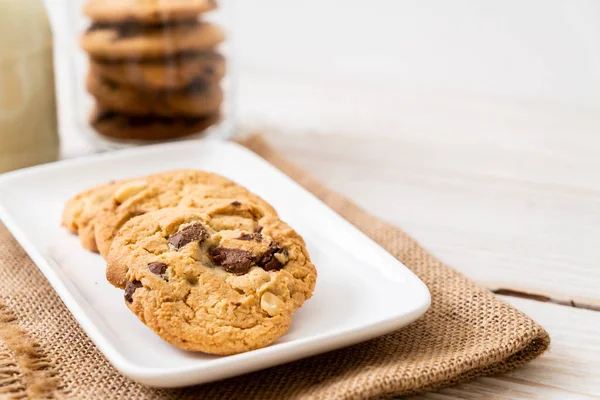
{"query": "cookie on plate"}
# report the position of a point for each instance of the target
(148, 127)
(175, 72)
(198, 99)
(80, 210)
(134, 41)
(224, 281)
(146, 11)
(184, 188)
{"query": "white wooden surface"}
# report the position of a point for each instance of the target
(513, 203)
(481, 230)
(473, 126)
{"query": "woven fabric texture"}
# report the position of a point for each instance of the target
(467, 333)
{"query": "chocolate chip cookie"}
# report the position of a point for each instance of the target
(198, 99)
(185, 188)
(134, 41)
(80, 210)
(148, 127)
(223, 281)
(146, 11)
(176, 72)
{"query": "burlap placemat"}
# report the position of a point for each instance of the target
(466, 333)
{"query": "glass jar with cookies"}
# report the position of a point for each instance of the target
(150, 70)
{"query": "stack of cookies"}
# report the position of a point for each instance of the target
(203, 262)
(155, 70)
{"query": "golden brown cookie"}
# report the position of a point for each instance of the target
(198, 99)
(183, 188)
(80, 210)
(175, 72)
(222, 282)
(148, 11)
(148, 128)
(133, 41)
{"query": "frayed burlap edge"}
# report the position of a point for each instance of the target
(25, 371)
(532, 350)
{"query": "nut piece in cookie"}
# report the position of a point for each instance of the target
(128, 190)
(196, 280)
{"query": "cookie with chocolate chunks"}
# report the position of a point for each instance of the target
(133, 41)
(148, 128)
(146, 11)
(181, 188)
(198, 99)
(175, 72)
(193, 280)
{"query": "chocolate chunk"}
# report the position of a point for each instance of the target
(268, 261)
(111, 84)
(191, 233)
(209, 70)
(129, 29)
(197, 85)
(174, 60)
(273, 265)
(258, 229)
(236, 203)
(105, 115)
(130, 288)
(145, 120)
(157, 268)
(257, 237)
(235, 261)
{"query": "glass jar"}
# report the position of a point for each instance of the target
(28, 120)
(150, 71)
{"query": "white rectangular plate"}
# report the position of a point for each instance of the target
(361, 292)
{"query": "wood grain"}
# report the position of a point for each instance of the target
(527, 232)
(503, 216)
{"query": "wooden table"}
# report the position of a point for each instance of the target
(504, 188)
(508, 194)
